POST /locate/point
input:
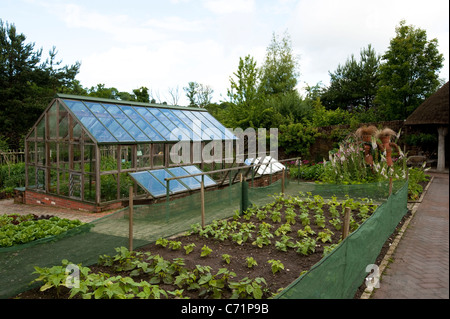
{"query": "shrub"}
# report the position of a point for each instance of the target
(12, 176)
(297, 138)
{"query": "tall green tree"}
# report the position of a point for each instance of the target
(27, 84)
(279, 72)
(243, 94)
(409, 72)
(355, 83)
(244, 85)
(191, 92)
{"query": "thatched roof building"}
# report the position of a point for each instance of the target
(434, 111)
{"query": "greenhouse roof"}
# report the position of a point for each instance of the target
(115, 121)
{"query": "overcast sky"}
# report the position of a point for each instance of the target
(166, 44)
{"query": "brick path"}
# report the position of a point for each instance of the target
(420, 267)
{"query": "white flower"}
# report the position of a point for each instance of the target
(398, 134)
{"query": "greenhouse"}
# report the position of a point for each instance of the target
(82, 151)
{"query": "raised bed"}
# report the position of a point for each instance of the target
(250, 256)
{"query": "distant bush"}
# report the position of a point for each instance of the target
(12, 176)
(297, 138)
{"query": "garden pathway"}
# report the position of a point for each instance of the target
(7, 206)
(420, 263)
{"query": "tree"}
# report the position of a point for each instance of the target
(199, 95)
(54, 77)
(279, 72)
(174, 95)
(266, 96)
(244, 90)
(191, 92)
(354, 83)
(142, 95)
(103, 92)
(409, 73)
(204, 95)
(26, 84)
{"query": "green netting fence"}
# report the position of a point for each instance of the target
(340, 273)
(167, 219)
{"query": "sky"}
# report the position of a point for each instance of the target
(164, 45)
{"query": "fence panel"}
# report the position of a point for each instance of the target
(8, 157)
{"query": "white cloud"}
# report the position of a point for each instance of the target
(167, 44)
(327, 32)
(120, 27)
(174, 23)
(171, 64)
(230, 6)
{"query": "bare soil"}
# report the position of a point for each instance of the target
(294, 262)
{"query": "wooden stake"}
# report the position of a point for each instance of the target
(346, 226)
(130, 218)
(202, 199)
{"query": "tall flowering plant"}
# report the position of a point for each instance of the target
(349, 163)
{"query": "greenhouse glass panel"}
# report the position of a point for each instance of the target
(174, 135)
(154, 181)
(217, 124)
(108, 121)
(195, 125)
(155, 123)
(181, 125)
(127, 124)
(195, 170)
(92, 124)
(137, 118)
(206, 126)
(149, 183)
(190, 182)
(174, 185)
(63, 123)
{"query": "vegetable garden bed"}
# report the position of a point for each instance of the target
(249, 256)
(16, 230)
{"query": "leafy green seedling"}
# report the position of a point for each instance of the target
(206, 251)
(226, 258)
(251, 262)
(174, 245)
(189, 248)
(162, 242)
(277, 265)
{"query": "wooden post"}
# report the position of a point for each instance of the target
(130, 218)
(202, 199)
(282, 181)
(390, 186)
(346, 226)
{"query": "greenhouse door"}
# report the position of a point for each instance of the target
(40, 178)
(75, 185)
